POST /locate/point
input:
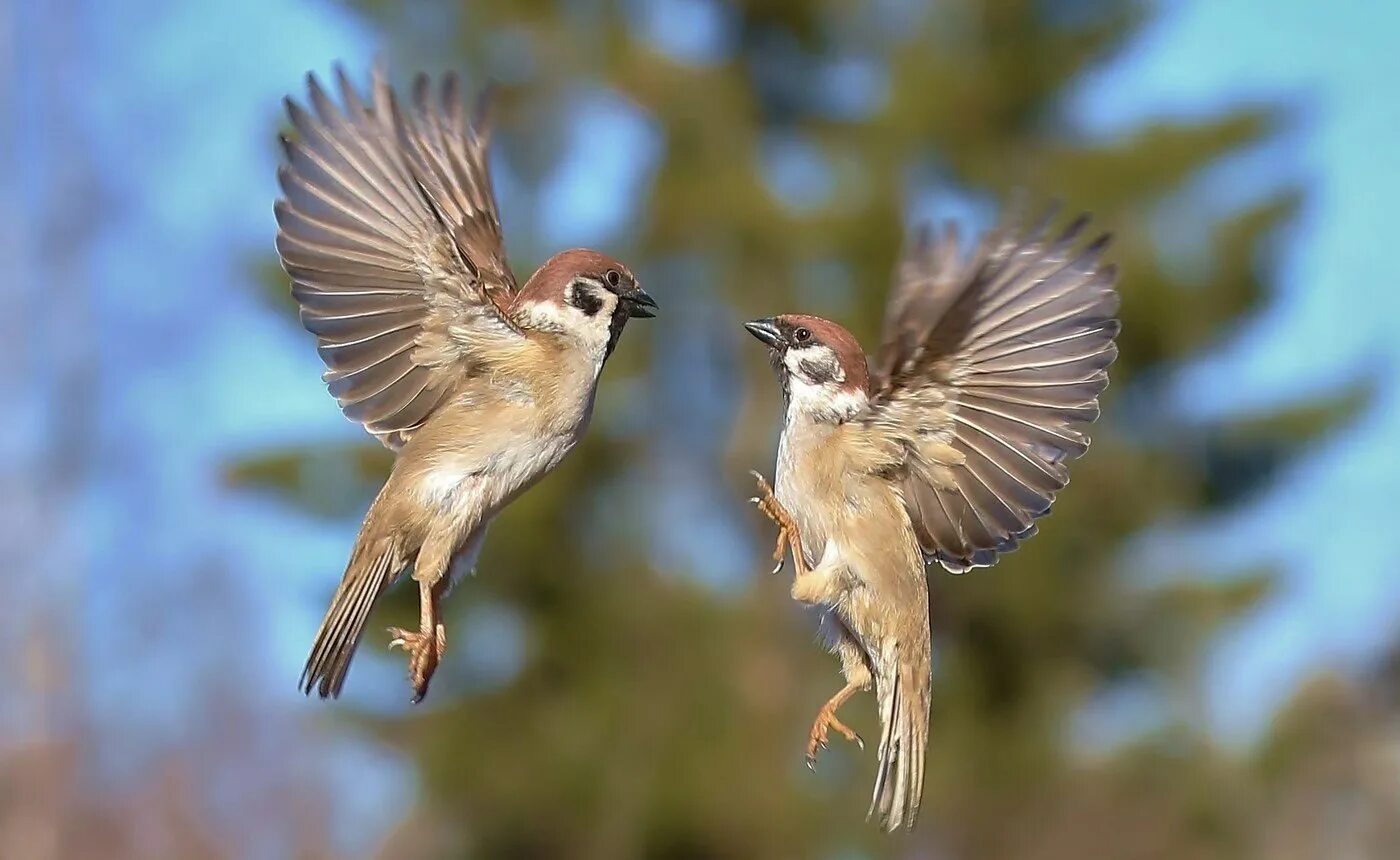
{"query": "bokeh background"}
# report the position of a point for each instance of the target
(1199, 656)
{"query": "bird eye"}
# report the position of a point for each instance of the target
(614, 279)
(802, 335)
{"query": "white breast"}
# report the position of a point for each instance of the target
(795, 494)
(479, 486)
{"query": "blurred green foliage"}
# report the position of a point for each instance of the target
(656, 715)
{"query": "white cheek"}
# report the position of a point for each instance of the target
(591, 332)
(811, 398)
(791, 360)
(821, 356)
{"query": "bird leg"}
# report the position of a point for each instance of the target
(788, 536)
(826, 721)
(425, 647)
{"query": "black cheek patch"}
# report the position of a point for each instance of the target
(584, 300)
(818, 372)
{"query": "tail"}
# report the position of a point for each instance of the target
(373, 566)
(902, 683)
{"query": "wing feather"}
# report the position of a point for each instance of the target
(989, 373)
(360, 355)
(389, 230)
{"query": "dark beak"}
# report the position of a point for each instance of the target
(640, 305)
(767, 331)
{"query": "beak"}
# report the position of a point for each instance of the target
(767, 331)
(640, 305)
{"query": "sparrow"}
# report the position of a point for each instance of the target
(389, 230)
(947, 448)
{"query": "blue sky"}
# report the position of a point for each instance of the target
(1335, 319)
(178, 100)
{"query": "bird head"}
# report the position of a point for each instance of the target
(821, 366)
(584, 296)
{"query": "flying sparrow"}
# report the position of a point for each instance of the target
(389, 230)
(954, 443)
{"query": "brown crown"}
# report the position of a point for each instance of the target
(838, 340)
(549, 280)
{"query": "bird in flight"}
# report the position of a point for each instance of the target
(947, 447)
(389, 230)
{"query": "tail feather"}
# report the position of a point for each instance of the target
(365, 579)
(902, 689)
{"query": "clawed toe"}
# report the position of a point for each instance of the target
(768, 503)
(821, 732)
(424, 653)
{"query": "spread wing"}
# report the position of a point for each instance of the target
(988, 374)
(389, 230)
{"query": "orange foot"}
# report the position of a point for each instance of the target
(826, 721)
(787, 526)
(424, 653)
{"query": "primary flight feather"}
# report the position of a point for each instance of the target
(947, 447)
(389, 229)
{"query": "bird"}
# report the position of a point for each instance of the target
(946, 448)
(389, 230)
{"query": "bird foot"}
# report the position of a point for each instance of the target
(424, 652)
(768, 503)
(821, 727)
